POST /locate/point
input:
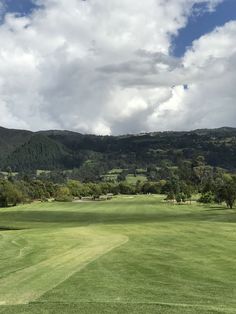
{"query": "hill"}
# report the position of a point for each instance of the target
(37, 152)
(25, 150)
(11, 139)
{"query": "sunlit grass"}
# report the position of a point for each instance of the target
(134, 254)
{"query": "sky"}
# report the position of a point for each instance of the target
(117, 66)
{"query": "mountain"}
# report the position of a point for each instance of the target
(25, 150)
(12, 139)
(37, 153)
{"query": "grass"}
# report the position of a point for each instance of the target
(132, 179)
(39, 172)
(129, 255)
(115, 171)
(6, 174)
(110, 177)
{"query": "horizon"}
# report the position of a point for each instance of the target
(124, 134)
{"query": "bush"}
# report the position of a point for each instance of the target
(206, 198)
(63, 195)
(178, 198)
(10, 195)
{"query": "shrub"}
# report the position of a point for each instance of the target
(206, 198)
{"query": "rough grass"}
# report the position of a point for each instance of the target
(129, 255)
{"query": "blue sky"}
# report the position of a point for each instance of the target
(23, 7)
(199, 25)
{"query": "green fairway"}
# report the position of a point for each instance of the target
(133, 254)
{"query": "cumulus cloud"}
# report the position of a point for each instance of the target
(105, 67)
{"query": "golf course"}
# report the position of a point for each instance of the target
(131, 254)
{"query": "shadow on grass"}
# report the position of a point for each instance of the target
(71, 217)
(221, 208)
(3, 228)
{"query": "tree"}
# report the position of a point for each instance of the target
(126, 188)
(9, 194)
(96, 190)
(170, 196)
(206, 198)
(172, 186)
(151, 187)
(186, 191)
(74, 187)
(63, 194)
(178, 198)
(226, 191)
(122, 176)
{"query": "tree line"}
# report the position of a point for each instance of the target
(177, 183)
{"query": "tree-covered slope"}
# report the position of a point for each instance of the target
(40, 152)
(11, 139)
(23, 150)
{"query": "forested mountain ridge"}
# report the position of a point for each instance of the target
(37, 153)
(11, 139)
(24, 150)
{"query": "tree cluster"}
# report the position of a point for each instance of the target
(178, 183)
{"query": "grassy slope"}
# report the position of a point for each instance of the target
(75, 258)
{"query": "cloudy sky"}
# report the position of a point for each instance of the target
(117, 66)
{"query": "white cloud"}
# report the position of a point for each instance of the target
(105, 67)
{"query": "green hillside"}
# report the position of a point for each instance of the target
(39, 152)
(12, 139)
(68, 150)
